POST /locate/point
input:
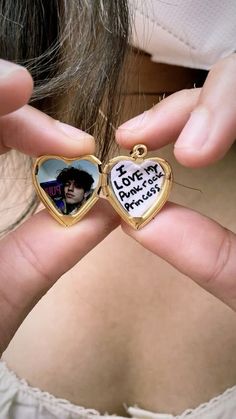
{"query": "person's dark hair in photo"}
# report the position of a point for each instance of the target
(76, 187)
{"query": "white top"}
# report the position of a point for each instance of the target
(20, 401)
(190, 33)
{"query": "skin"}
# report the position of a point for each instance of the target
(129, 345)
(49, 138)
(73, 194)
(205, 131)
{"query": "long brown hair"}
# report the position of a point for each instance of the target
(75, 50)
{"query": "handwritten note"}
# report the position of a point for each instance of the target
(137, 187)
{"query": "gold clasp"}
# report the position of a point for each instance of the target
(139, 151)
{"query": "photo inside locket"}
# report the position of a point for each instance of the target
(68, 187)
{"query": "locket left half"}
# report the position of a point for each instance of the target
(68, 187)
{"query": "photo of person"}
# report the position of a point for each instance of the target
(68, 187)
(76, 189)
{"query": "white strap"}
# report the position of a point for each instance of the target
(137, 413)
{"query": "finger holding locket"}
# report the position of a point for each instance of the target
(203, 123)
(38, 252)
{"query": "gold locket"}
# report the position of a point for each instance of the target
(137, 187)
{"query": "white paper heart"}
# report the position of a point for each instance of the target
(137, 187)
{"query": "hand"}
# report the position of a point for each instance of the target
(35, 255)
(204, 123)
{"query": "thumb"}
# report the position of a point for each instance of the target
(35, 255)
(196, 245)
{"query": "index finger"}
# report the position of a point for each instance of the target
(32, 132)
(16, 86)
(29, 130)
(160, 125)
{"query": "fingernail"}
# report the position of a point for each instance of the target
(72, 132)
(135, 123)
(7, 68)
(196, 131)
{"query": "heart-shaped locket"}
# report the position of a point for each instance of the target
(136, 187)
(67, 187)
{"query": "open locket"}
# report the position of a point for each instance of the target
(137, 187)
